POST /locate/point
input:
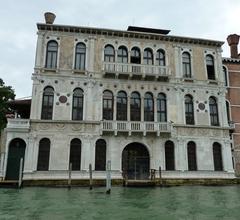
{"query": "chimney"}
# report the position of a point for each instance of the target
(233, 40)
(49, 17)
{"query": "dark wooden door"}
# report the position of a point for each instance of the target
(16, 151)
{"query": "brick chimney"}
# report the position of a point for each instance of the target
(233, 40)
(49, 17)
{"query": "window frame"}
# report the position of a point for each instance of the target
(75, 154)
(109, 57)
(186, 65)
(43, 154)
(192, 156)
(161, 104)
(210, 69)
(169, 155)
(77, 108)
(189, 115)
(148, 57)
(160, 61)
(108, 112)
(148, 107)
(213, 112)
(80, 55)
(217, 157)
(103, 152)
(135, 112)
(47, 110)
(53, 54)
(121, 109)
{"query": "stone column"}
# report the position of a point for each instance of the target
(227, 157)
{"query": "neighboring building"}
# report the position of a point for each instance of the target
(231, 69)
(140, 98)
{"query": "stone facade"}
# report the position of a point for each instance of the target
(99, 76)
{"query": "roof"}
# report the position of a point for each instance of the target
(142, 33)
(147, 30)
(230, 60)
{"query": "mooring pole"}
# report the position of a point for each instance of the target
(90, 177)
(108, 180)
(20, 173)
(160, 175)
(70, 176)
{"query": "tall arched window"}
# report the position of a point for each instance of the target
(80, 56)
(225, 72)
(109, 54)
(192, 158)
(160, 58)
(210, 67)
(51, 55)
(217, 157)
(100, 155)
(228, 111)
(107, 105)
(148, 57)
(161, 107)
(213, 110)
(135, 55)
(186, 65)
(135, 107)
(148, 107)
(75, 154)
(47, 103)
(189, 110)
(122, 106)
(77, 105)
(122, 54)
(43, 154)
(169, 155)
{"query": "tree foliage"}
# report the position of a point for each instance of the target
(6, 94)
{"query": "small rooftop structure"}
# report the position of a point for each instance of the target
(148, 30)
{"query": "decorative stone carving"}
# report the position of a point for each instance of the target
(60, 126)
(44, 126)
(77, 127)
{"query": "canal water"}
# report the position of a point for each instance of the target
(185, 202)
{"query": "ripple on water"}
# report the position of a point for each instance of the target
(192, 202)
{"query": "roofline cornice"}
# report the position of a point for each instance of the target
(127, 34)
(230, 60)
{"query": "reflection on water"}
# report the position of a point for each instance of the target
(172, 203)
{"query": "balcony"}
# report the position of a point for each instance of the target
(18, 124)
(136, 126)
(133, 69)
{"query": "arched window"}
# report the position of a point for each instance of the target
(161, 107)
(135, 107)
(80, 56)
(122, 54)
(135, 55)
(75, 154)
(189, 110)
(107, 105)
(122, 106)
(160, 58)
(47, 103)
(43, 154)
(148, 57)
(109, 54)
(169, 155)
(51, 55)
(192, 158)
(100, 155)
(213, 110)
(210, 67)
(217, 157)
(77, 106)
(228, 111)
(148, 107)
(186, 65)
(225, 72)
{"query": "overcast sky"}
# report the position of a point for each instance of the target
(211, 19)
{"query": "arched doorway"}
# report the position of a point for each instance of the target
(16, 151)
(136, 161)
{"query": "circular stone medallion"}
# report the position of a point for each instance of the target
(62, 99)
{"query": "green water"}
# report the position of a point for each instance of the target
(188, 202)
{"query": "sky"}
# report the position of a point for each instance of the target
(210, 19)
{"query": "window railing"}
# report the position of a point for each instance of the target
(136, 126)
(132, 68)
(18, 123)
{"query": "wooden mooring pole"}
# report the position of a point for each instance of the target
(108, 180)
(160, 175)
(90, 177)
(20, 173)
(70, 176)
